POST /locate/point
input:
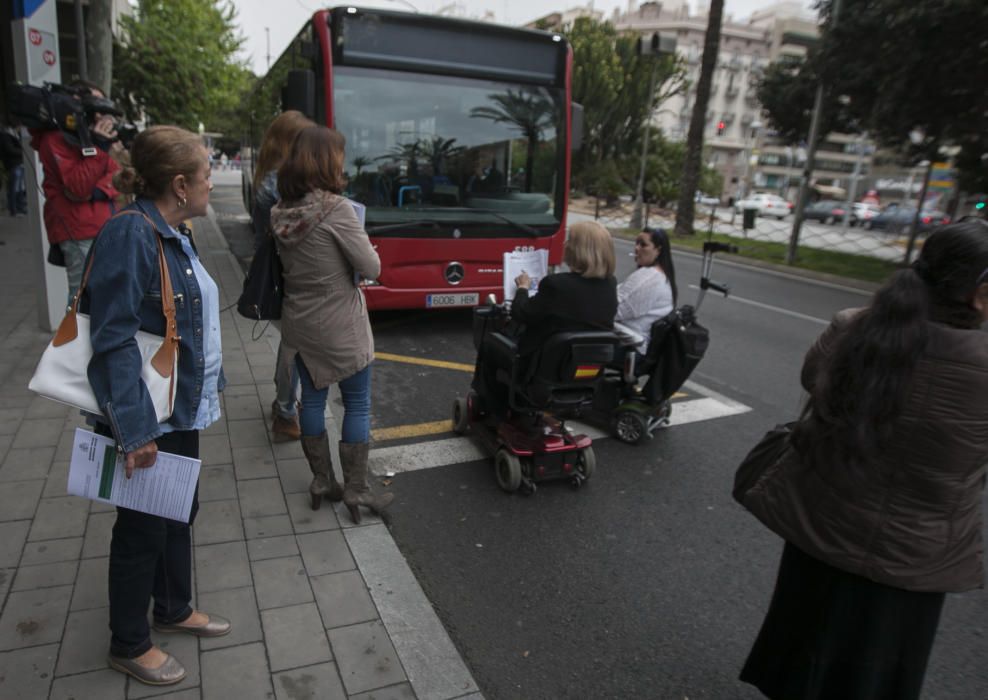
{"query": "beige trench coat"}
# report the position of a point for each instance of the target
(324, 315)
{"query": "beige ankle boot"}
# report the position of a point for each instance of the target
(324, 483)
(353, 457)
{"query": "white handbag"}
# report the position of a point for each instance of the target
(62, 373)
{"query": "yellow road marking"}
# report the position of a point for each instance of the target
(412, 430)
(441, 364)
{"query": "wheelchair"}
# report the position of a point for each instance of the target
(530, 444)
(676, 345)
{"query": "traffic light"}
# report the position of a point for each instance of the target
(720, 128)
(980, 205)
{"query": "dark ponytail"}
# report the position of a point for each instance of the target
(660, 239)
(862, 385)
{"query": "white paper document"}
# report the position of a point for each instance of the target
(96, 471)
(534, 262)
(361, 211)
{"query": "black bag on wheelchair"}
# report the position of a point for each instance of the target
(677, 344)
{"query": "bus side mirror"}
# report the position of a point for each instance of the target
(299, 92)
(576, 126)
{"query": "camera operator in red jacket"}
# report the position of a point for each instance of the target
(78, 183)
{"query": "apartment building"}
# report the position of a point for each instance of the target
(740, 145)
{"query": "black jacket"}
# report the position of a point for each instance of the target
(565, 302)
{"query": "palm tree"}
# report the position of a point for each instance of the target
(694, 139)
(406, 152)
(528, 111)
(438, 150)
(361, 162)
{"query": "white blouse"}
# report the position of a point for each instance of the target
(643, 298)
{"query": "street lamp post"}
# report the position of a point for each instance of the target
(750, 144)
(636, 212)
(656, 46)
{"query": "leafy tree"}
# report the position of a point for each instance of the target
(177, 62)
(787, 91)
(611, 82)
(694, 138)
(911, 68)
(664, 168)
(530, 111)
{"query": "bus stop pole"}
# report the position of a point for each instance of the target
(37, 60)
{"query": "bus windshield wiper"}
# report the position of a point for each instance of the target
(533, 232)
(403, 224)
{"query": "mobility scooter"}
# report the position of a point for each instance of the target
(530, 445)
(676, 345)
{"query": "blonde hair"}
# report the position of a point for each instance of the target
(160, 154)
(589, 250)
(277, 142)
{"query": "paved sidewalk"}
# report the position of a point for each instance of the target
(320, 609)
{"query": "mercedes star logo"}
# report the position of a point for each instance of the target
(454, 273)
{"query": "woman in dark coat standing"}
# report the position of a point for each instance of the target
(879, 497)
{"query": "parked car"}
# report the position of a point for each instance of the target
(864, 211)
(829, 211)
(899, 219)
(766, 204)
(706, 199)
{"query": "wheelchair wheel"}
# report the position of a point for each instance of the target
(630, 427)
(461, 416)
(507, 469)
(588, 462)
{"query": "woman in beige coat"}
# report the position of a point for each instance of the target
(324, 250)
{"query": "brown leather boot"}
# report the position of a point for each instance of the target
(356, 493)
(284, 429)
(324, 483)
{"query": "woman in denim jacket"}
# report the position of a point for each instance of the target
(151, 555)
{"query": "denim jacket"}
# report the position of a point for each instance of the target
(122, 296)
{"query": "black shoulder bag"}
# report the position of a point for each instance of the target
(264, 286)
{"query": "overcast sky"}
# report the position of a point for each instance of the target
(284, 18)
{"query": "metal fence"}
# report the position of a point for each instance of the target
(769, 237)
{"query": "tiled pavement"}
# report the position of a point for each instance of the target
(320, 609)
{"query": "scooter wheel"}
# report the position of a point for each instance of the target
(630, 427)
(461, 416)
(507, 470)
(588, 462)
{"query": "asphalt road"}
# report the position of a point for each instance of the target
(649, 582)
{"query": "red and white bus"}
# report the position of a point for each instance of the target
(458, 142)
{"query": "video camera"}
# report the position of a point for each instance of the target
(68, 109)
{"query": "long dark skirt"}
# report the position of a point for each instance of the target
(829, 635)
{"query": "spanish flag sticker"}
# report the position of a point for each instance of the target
(586, 371)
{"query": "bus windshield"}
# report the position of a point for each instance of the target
(451, 150)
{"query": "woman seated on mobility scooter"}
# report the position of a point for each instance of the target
(583, 299)
(649, 293)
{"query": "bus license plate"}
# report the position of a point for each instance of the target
(434, 300)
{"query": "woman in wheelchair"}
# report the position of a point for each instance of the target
(585, 298)
(650, 292)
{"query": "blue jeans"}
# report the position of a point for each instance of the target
(286, 384)
(356, 393)
(16, 195)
